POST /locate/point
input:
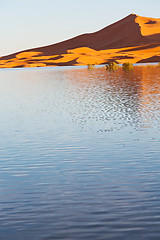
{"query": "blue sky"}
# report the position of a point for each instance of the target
(32, 23)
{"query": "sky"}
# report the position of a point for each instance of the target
(26, 24)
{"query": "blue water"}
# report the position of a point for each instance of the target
(79, 154)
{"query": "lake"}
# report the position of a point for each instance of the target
(80, 154)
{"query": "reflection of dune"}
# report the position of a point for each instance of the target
(150, 93)
(105, 100)
(134, 39)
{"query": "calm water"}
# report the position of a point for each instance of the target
(79, 154)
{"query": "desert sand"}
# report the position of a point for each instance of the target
(133, 39)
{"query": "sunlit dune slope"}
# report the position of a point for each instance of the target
(134, 39)
(148, 26)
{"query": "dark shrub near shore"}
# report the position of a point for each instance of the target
(112, 66)
(91, 66)
(127, 66)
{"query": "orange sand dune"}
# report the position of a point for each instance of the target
(132, 39)
(148, 26)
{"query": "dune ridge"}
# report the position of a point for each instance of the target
(133, 39)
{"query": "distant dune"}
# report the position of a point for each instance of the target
(133, 39)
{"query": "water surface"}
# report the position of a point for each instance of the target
(79, 154)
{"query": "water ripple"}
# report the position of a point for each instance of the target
(79, 154)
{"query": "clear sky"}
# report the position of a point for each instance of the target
(32, 23)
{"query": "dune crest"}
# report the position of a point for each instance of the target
(132, 39)
(149, 26)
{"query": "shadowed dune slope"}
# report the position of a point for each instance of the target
(133, 38)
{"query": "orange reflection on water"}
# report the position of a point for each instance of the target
(127, 97)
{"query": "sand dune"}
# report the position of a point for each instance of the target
(133, 39)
